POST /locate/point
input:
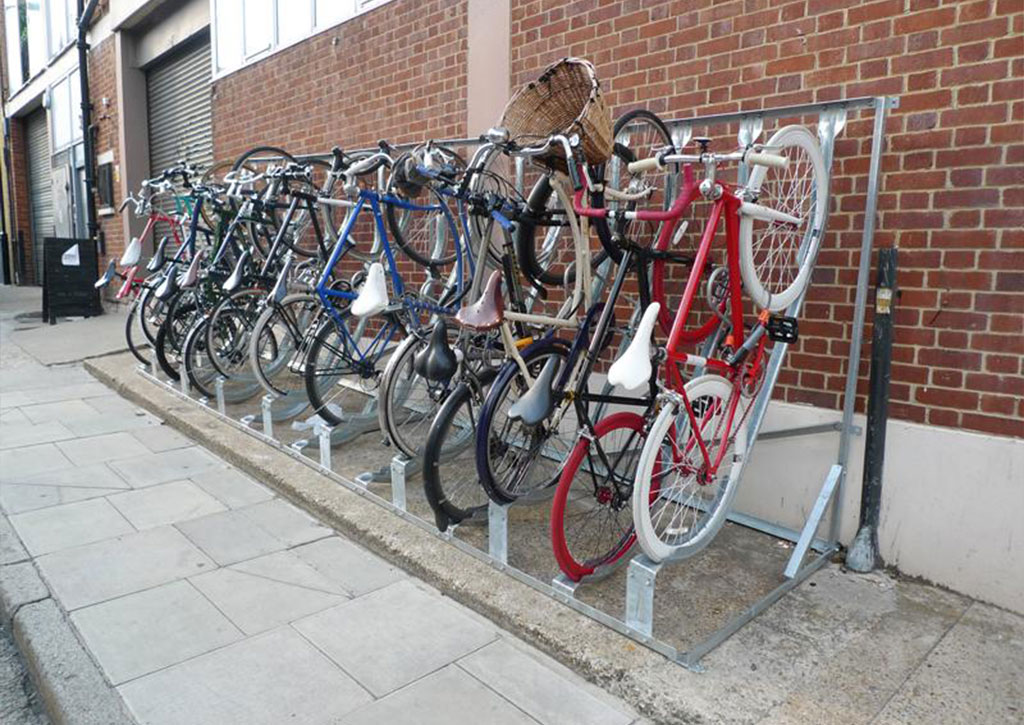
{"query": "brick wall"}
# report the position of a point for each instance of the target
(105, 120)
(953, 191)
(397, 72)
(21, 226)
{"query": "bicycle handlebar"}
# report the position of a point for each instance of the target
(753, 158)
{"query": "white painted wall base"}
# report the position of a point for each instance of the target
(952, 501)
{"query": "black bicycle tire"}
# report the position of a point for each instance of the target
(130, 322)
(394, 227)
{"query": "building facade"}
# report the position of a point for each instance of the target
(207, 79)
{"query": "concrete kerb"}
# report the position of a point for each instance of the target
(659, 689)
(70, 684)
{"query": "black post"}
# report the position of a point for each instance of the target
(85, 12)
(863, 555)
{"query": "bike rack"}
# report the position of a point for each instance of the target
(642, 574)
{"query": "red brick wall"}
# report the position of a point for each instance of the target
(21, 226)
(397, 72)
(105, 119)
(953, 191)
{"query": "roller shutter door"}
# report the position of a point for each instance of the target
(40, 190)
(178, 98)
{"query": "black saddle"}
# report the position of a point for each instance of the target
(159, 257)
(437, 361)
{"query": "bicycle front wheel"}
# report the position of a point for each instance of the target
(776, 257)
(341, 383)
(592, 512)
(681, 495)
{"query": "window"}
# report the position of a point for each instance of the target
(66, 111)
(38, 55)
(13, 24)
(245, 31)
(62, 24)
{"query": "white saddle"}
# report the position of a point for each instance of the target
(633, 368)
(373, 295)
(192, 273)
(132, 254)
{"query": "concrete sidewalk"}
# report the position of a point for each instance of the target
(202, 597)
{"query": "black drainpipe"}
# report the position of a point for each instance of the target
(85, 12)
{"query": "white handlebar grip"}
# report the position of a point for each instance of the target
(776, 162)
(635, 167)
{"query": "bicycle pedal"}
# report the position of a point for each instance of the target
(782, 329)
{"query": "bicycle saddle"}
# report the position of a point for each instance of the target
(437, 360)
(373, 295)
(159, 256)
(488, 311)
(169, 287)
(191, 275)
(107, 276)
(238, 273)
(633, 368)
(537, 403)
(132, 254)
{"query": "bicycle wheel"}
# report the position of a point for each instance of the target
(231, 324)
(182, 313)
(681, 499)
(408, 402)
(592, 512)
(514, 459)
(152, 312)
(545, 247)
(341, 384)
(450, 480)
(198, 367)
(132, 336)
(277, 347)
(639, 134)
(425, 233)
(776, 257)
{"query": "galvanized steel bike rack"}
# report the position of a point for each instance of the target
(637, 622)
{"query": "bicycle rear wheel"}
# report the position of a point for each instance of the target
(278, 345)
(776, 257)
(592, 512)
(681, 499)
(135, 339)
(450, 479)
(514, 459)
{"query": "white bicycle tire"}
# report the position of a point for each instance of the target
(787, 136)
(650, 542)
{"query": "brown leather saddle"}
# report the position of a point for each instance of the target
(488, 311)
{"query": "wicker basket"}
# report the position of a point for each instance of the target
(566, 99)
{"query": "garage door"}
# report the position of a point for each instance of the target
(178, 97)
(39, 186)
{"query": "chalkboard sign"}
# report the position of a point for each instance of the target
(69, 278)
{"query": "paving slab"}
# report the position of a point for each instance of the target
(985, 647)
(151, 468)
(390, 637)
(30, 434)
(267, 680)
(165, 503)
(231, 487)
(96, 476)
(535, 689)
(448, 697)
(160, 438)
(19, 463)
(63, 410)
(107, 569)
(72, 687)
(74, 340)
(16, 498)
(285, 522)
(350, 566)
(11, 548)
(229, 537)
(106, 423)
(256, 603)
(102, 448)
(143, 632)
(12, 416)
(73, 524)
(287, 567)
